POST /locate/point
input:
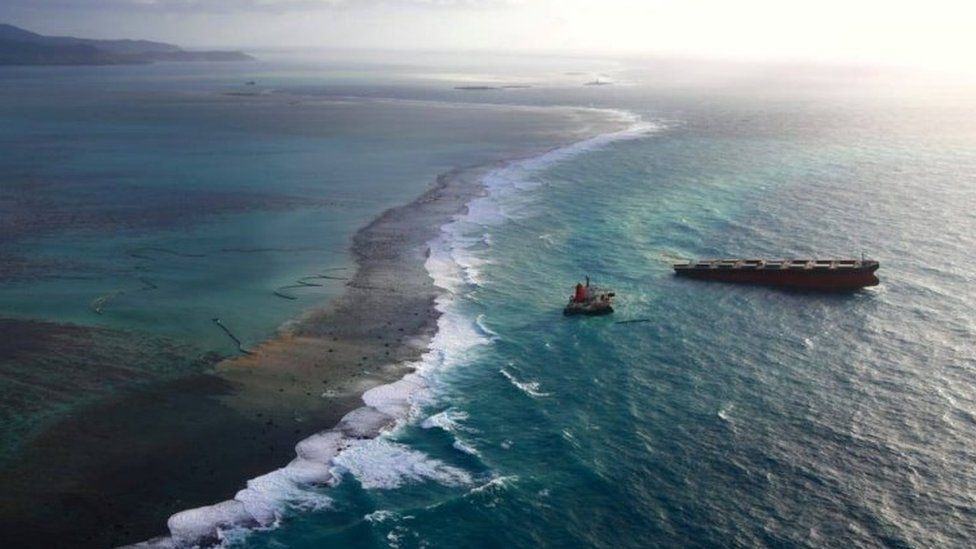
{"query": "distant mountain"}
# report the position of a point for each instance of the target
(23, 47)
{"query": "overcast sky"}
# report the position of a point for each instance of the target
(934, 33)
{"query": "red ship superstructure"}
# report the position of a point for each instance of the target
(804, 274)
(589, 300)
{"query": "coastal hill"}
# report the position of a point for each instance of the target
(23, 47)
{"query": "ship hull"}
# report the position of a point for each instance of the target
(828, 279)
(572, 310)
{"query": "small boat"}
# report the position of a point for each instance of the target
(589, 300)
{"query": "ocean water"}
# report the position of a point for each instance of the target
(151, 199)
(156, 199)
(725, 415)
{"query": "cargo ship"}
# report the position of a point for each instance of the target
(837, 275)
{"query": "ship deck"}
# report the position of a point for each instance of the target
(777, 265)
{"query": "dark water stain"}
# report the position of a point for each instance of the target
(113, 472)
(45, 366)
(32, 208)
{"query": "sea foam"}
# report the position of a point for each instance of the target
(531, 388)
(383, 464)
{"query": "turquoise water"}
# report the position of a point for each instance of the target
(734, 415)
(182, 205)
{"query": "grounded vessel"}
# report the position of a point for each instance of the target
(804, 274)
(589, 300)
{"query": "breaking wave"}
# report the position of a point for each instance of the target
(531, 388)
(361, 444)
(384, 464)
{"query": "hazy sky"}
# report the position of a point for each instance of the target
(935, 33)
